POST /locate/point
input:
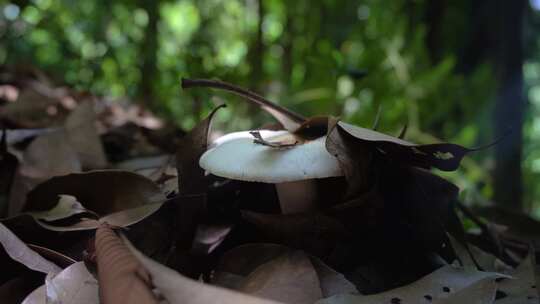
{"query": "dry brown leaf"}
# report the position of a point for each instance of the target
(50, 155)
(437, 285)
(30, 108)
(331, 281)
(20, 252)
(176, 288)
(67, 206)
(289, 278)
(317, 234)
(208, 237)
(8, 167)
(482, 292)
(354, 159)
(18, 135)
(279, 144)
(73, 285)
(192, 188)
(238, 264)
(83, 136)
(242, 260)
(190, 148)
(443, 156)
(521, 287)
(17, 289)
(120, 198)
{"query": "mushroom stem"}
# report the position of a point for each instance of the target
(297, 197)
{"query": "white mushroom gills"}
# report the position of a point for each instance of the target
(292, 169)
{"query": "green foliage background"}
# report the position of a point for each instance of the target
(303, 54)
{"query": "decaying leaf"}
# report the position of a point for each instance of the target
(279, 144)
(19, 252)
(289, 278)
(389, 227)
(443, 156)
(236, 268)
(67, 206)
(353, 159)
(50, 155)
(317, 234)
(485, 260)
(481, 292)
(30, 108)
(18, 135)
(176, 288)
(63, 261)
(192, 188)
(190, 149)
(208, 237)
(73, 285)
(521, 287)
(83, 136)
(120, 198)
(437, 285)
(8, 167)
(17, 289)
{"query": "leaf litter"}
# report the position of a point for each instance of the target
(380, 228)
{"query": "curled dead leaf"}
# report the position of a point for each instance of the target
(120, 198)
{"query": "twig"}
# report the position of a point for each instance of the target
(258, 99)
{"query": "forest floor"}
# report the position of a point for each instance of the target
(102, 202)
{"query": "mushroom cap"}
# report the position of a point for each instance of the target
(240, 158)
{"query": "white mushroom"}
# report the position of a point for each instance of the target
(293, 168)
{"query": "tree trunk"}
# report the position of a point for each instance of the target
(149, 49)
(510, 103)
(434, 15)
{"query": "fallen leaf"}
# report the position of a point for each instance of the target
(15, 136)
(73, 285)
(50, 155)
(120, 198)
(67, 206)
(481, 292)
(354, 159)
(8, 167)
(63, 261)
(192, 188)
(176, 288)
(190, 148)
(83, 136)
(521, 287)
(331, 281)
(30, 108)
(238, 263)
(443, 156)
(289, 278)
(19, 252)
(17, 289)
(317, 234)
(208, 237)
(440, 284)
(47, 155)
(274, 144)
